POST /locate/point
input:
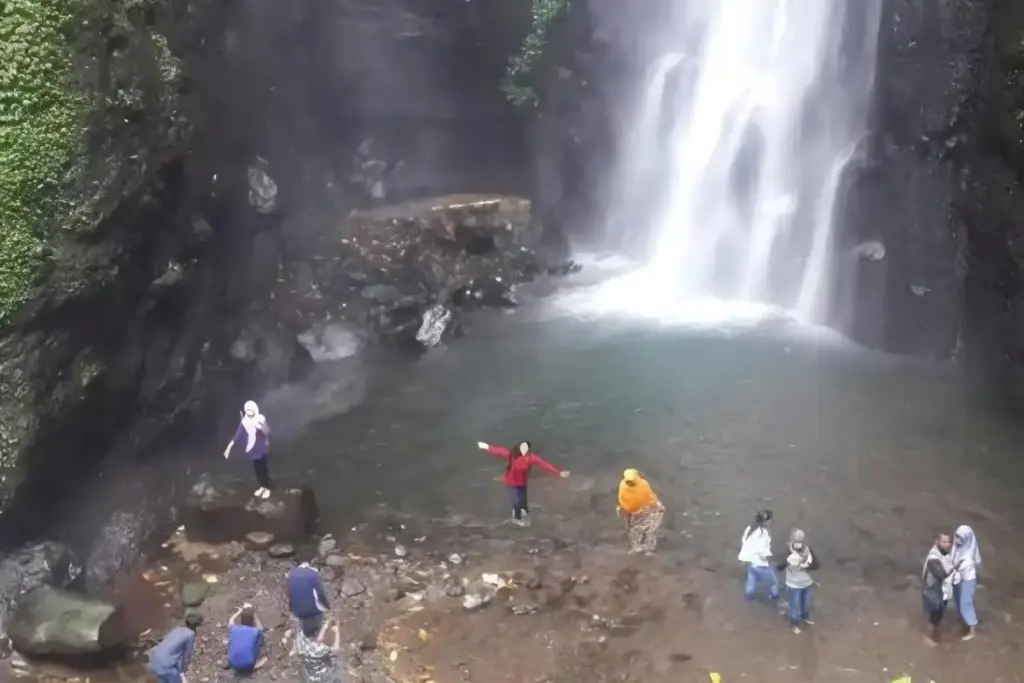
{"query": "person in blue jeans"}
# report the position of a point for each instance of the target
(966, 560)
(756, 552)
(169, 660)
(799, 583)
(245, 640)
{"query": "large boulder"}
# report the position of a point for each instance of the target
(31, 566)
(52, 622)
(220, 510)
(405, 270)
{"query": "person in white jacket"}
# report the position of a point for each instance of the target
(756, 552)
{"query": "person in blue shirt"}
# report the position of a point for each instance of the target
(170, 659)
(307, 600)
(245, 639)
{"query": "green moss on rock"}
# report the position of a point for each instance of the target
(40, 131)
(517, 84)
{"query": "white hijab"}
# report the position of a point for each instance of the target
(965, 550)
(252, 422)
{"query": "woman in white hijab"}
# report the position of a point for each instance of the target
(966, 559)
(253, 434)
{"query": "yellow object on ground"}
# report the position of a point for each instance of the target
(715, 677)
(902, 679)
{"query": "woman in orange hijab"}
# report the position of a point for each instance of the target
(642, 510)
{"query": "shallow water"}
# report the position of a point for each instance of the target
(869, 453)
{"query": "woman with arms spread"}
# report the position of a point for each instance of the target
(521, 460)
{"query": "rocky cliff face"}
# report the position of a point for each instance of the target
(940, 190)
(172, 159)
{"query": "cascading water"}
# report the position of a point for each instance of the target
(738, 145)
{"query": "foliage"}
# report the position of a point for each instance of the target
(40, 120)
(516, 84)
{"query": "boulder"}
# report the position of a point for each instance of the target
(407, 270)
(220, 510)
(31, 566)
(194, 593)
(53, 622)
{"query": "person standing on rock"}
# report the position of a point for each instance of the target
(253, 434)
(245, 640)
(966, 559)
(307, 600)
(642, 510)
(756, 552)
(318, 659)
(521, 460)
(169, 660)
(937, 580)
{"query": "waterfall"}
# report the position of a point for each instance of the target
(736, 152)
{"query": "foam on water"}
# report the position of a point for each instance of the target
(638, 296)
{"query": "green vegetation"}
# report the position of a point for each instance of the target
(516, 85)
(40, 121)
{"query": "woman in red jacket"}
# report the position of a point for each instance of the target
(520, 459)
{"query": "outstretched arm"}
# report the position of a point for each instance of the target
(497, 451)
(546, 466)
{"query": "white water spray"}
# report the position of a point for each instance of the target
(738, 146)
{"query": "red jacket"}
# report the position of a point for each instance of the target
(519, 473)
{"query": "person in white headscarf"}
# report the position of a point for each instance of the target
(966, 559)
(253, 434)
(937, 577)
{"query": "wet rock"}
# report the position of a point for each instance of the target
(31, 566)
(120, 543)
(475, 601)
(436, 320)
(326, 546)
(258, 540)
(54, 622)
(221, 510)
(368, 642)
(193, 594)
(351, 588)
(281, 550)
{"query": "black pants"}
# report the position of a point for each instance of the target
(261, 467)
(517, 495)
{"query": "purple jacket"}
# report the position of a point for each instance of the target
(260, 449)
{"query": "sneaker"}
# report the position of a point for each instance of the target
(518, 522)
(258, 493)
(796, 630)
(266, 494)
(526, 520)
(968, 636)
(808, 622)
